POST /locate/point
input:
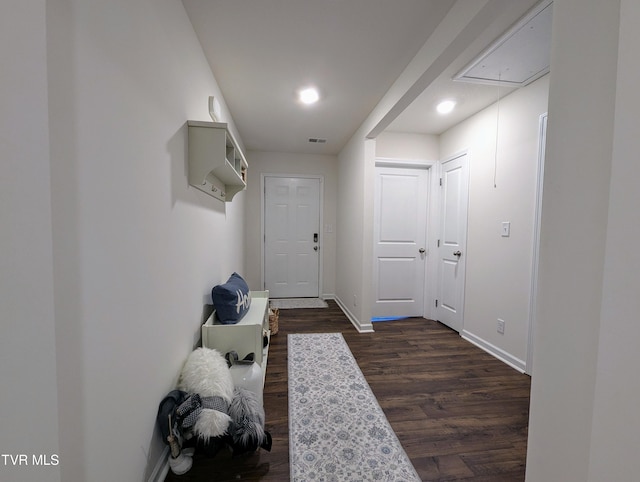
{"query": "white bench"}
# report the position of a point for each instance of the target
(244, 337)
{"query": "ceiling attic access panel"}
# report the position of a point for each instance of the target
(217, 165)
(520, 56)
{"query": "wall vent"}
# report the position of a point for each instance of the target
(317, 140)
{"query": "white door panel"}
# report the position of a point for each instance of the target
(453, 238)
(400, 219)
(449, 299)
(395, 272)
(292, 231)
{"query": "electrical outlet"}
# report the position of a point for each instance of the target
(500, 326)
(355, 300)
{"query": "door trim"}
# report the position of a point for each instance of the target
(533, 297)
(406, 163)
(320, 178)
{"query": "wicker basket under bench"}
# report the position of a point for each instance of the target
(244, 337)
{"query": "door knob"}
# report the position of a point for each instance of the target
(457, 253)
(421, 250)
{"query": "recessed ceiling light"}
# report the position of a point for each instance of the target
(446, 106)
(309, 95)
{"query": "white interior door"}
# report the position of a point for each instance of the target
(452, 243)
(400, 230)
(292, 237)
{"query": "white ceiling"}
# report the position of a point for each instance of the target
(262, 51)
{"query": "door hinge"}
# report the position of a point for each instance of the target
(440, 181)
(436, 303)
(438, 243)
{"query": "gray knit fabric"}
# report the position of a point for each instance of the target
(190, 409)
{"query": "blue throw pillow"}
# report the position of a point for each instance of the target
(231, 300)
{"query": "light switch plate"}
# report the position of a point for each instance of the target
(506, 229)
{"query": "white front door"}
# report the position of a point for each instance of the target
(400, 227)
(292, 237)
(453, 242)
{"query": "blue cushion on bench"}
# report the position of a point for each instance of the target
(231, 299)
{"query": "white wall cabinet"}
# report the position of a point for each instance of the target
(217, 165)
(244, 337)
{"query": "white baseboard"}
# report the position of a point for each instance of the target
(361, 327)
(161, 469)
(499, 353)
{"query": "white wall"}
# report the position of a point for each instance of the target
(261, 162)
(135, 250)
(498, 269)
(615, 433)
(584, 421)
(355, 231)
(28, 405)
(407, 146)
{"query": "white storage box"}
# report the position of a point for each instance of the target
(244, 337)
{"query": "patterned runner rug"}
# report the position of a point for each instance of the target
(292, 303)
(337, 430)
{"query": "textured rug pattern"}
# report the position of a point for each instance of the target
(337, 430)
(293, 303)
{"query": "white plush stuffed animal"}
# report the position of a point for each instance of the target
(206, 374)
(247, 430)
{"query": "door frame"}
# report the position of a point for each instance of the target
(432, 222)
(535, 261)
(320, 179)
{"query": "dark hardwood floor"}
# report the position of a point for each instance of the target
(459, 413)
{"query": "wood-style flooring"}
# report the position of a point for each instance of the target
(459, 413)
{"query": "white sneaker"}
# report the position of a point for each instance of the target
(181, 464)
